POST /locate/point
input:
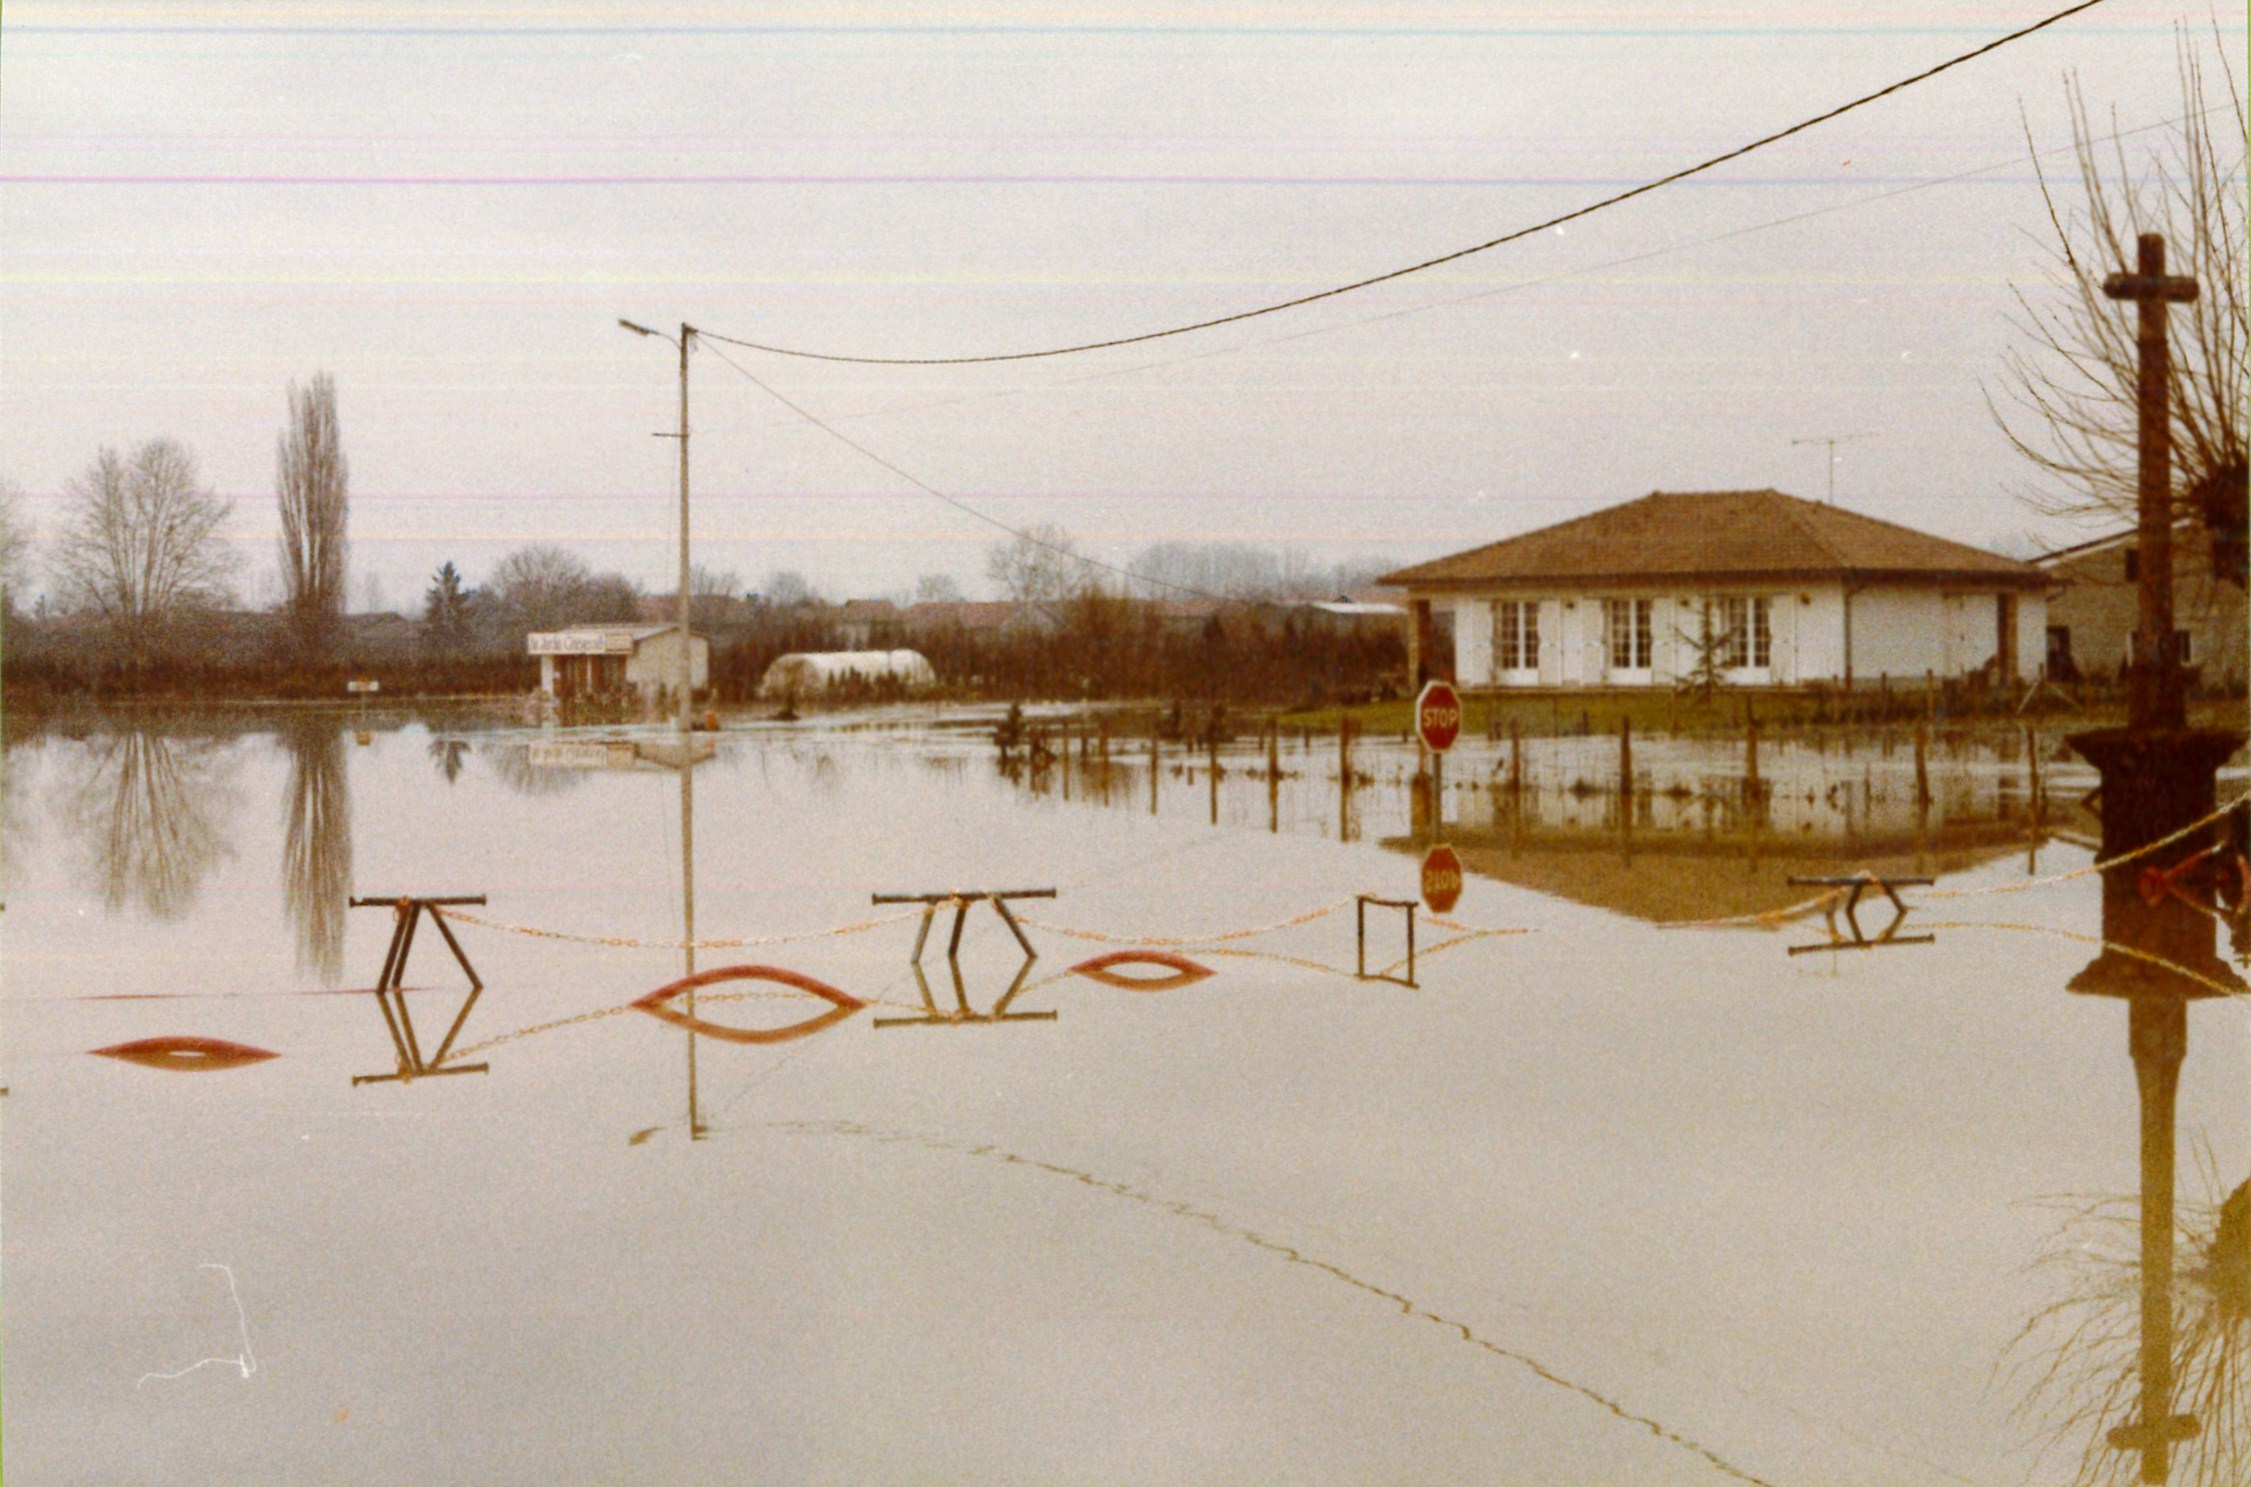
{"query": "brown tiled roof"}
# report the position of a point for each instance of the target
(1715, 535)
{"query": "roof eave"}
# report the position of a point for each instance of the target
(1927, 577)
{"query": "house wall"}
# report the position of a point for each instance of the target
(1896, 630)
(2101, 607)
(1903, 633)
(656, 662)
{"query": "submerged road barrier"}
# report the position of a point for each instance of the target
(1360, 913)
(390, 993)
(1853, 887)
(959, 900)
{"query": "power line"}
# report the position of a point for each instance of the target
(930, 490)
(1429, 263)
(1556, 277)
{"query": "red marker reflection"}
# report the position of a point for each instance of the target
(188, 1055)
(658, 1004)
(1185, 972)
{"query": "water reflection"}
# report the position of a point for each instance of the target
(147, 809)
(514, 764)
(2138, 1364)
(390, 989)
(1179, 970)
(962, 1013)
(185, 1055)
(1725, 865)
(316, 866)
(660, 1004)
(449, 755)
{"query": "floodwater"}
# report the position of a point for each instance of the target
(1606, 1196)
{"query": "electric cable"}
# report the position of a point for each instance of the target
(1454, 301)
(930, 490)
(1389, 275)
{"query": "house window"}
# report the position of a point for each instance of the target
(1627, 622)
(1516, 635)
(1745, 633)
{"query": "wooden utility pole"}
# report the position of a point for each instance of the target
(2154, 697)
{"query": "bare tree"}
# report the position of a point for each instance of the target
(15, 546)
(311, 480)
(937, 588)
(539, 586)
(1246, 571)
(1042, 569)
(141, 545)
(712, 596)
(2069, 395)
(608, 599)
(785, 588)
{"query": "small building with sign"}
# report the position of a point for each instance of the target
(1739, 588)
(609, 660)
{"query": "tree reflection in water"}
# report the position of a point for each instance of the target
(449, 754)
(2138, 1364)
(2079, 1358)
(147, 810)
(316, 866)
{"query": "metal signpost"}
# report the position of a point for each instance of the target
(1438, 722)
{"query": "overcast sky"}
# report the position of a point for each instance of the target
(449, 207)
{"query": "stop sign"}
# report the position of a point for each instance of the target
(1442, 879)
(1438, 716)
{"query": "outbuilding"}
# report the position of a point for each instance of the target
(604, 660)
(812, 673)
(2091, 622)
(1743, 588)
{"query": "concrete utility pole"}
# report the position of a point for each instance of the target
(687, 637)
(2154, 695)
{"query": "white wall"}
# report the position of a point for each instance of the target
(2032, 634)
(1902, 632)
(1473, 642)
(656, 662)
(1899, 633)
(1821, 634)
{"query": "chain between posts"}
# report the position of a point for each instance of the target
(1770, 918)
(2159, 961)
(629, 942)
(2094, 867)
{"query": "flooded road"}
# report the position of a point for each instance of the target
(1602, 1197)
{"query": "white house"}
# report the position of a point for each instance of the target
(595, 659)
(1762, 588)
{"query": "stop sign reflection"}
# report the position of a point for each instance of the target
(1442, 879)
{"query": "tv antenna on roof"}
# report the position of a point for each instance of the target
(1833, 440)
